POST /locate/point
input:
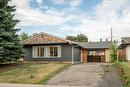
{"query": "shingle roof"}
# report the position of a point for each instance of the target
(125, 40)
(45, 38)
(94, 45)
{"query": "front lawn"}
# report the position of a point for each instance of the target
(31, 73)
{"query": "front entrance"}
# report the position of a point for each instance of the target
(84, 55)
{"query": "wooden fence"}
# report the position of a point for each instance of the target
(121, 54)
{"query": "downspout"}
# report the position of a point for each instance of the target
(81, 57)
(72, 55)
(117, 56)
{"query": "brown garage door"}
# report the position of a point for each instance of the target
(96, 58)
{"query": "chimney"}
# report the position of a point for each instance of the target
(106, 40)
(100, 39)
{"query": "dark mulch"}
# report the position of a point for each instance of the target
(7, 67)
(111, 77)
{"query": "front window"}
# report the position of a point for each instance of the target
(51, 51)
(46, 51)
(54, 51)
(41, 51)
(38, 51)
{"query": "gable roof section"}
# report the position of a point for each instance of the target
(124, 42)
(45, 38)
(95, 45)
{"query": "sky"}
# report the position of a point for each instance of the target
(94, 18)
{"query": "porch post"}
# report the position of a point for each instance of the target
(84, 55)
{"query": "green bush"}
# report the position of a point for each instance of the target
(113, 51)
(121, 60)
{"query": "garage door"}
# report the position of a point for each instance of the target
(96, 59)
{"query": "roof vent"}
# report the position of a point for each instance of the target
(106, 40)
(100, 39)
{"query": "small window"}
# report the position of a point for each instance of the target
(95, 53)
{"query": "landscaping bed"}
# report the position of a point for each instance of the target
(30, 73)
(124, 70)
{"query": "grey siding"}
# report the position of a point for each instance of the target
(28, 53)
(77, 54)
(66, 54)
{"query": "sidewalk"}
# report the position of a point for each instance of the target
(33, 85)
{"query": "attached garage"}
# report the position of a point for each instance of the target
(95, 51)
(96, 55)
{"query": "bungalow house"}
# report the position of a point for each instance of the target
(124, 49)
(47, 47)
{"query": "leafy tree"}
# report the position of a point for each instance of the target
(24, 36)
(82, 38)
(10, 47)
(113, 51)
(78, 38)
(72, 38)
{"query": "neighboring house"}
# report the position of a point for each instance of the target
(47, 47)
(124, 48)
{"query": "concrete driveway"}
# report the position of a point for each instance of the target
(88, 75)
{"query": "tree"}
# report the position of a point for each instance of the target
(72, 38)
(82, 38)
(10, 47)
(113, 51)
(78, 38)
(24, 36)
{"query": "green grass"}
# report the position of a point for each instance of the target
(105, 70)
(126, 69)
(32, 73)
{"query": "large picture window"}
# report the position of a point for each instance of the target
(46, 51)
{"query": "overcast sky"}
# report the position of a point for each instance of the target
(93, 18)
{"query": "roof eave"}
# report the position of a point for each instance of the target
(123, 45)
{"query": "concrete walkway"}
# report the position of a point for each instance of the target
(79, 75)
